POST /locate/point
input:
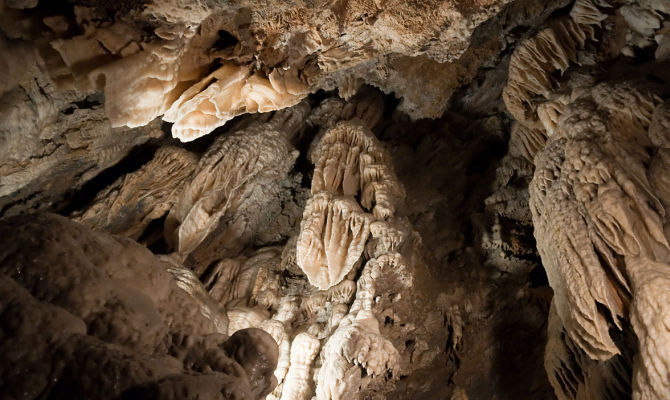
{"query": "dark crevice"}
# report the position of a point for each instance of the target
(153, 236)
(82, 198)
(225, 40)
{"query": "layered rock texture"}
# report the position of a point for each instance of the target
(596, 144)
(335, 199)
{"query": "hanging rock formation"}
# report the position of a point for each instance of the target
(349, 163)
(599, 222)
(329, 200)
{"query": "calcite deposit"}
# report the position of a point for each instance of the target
(599, 222)
(330, 200)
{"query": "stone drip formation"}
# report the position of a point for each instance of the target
(335, 200)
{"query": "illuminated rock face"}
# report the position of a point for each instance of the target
(156, 59)
(602, 237)
(349, 163)
(596, 200)
(377, 200)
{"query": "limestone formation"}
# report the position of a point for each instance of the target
(54, 142)
(598, 222)
(332, 237)
(573, 374)
(227, 92)
(357, 343)
(326, 334)
(533, 63)
(309, 48)
(303, 351)
(129, 205)
(349, 162)
(348, 199)
(232, 183)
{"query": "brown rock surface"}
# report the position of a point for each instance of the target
(92, 314)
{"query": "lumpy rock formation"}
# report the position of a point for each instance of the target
(330, 200)
(86, 312)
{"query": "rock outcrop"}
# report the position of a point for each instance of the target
(93, 314)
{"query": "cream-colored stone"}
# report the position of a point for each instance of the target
(304, 349)
(227, 92)
(599, 227)
(227, 181)
(353, 347)
(350, 160)
(332, 237)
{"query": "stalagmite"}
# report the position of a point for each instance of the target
(355, 347)
(303, 351)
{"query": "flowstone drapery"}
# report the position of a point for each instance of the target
(341, 344)
(599, 220)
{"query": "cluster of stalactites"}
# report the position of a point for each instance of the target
(533, 67)
(599, 224)
(597, 200)
(350, 163)
(226, 179)
(573, 374)
(332, 342)
(129, 205)
(533, 93)
(228, 92)
(168, 76)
